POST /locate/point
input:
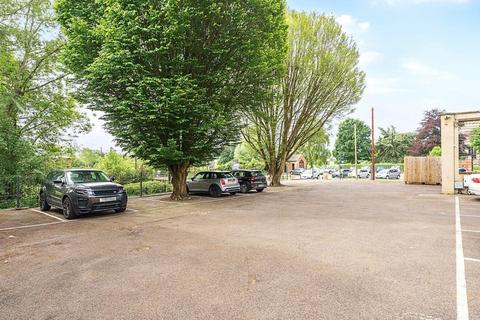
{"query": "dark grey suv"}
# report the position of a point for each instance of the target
(80, 191)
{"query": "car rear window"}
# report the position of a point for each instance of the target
(253, 173)
(223, 175)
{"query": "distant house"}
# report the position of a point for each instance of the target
(295, 162)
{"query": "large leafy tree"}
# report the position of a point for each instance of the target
(323, 82)
(36, 108)
(428, 133)
(171, 75)
(392, 146)
(345, 141)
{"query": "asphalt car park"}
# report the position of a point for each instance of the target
(313, 250)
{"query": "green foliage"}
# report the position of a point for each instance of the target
(123, 168)
(170, 75)
(393, 146)
(149, 187)
(227, 155)
(247, 157)
(36, 109)
(88, 158)
(316, 150)
(345, 142)
(436, 151)
(475, 139)
(323, 82)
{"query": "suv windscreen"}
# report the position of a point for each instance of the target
(87, 176)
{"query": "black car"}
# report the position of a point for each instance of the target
(81, 191)
(250, 180)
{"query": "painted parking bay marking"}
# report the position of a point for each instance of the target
(49, 215)
(462, 302)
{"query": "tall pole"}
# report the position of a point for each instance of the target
(355, 138)
(373, 145)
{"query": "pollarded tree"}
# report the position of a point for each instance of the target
(323, 82)
(170, 75)
(345, 141)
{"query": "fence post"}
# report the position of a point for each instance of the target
(17, 186)
(141, 180)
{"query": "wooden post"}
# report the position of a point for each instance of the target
(373, 145)
(356, 158)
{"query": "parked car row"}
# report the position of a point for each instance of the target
(82, 191)
(365, 173)
(215, 183)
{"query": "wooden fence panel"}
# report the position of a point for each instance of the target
(423, 170)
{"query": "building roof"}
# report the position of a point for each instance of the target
(295, 158)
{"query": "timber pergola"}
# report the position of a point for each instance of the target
(451, 125)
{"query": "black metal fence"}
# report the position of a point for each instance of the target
(19, 191)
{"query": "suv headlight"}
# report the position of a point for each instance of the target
(120, 190)
(85, 192)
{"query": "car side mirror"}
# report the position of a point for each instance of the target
(193, 179)
(112, 178)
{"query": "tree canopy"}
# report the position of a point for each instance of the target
(323, 82)
(171, 76)
(428, 134)
(345, 141)
(36, 109)
(392, 146)
(316, 150)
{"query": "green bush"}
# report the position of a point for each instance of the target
(149, 187)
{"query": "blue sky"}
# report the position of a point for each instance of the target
(417, 54)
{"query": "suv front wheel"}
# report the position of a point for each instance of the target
(68, 211)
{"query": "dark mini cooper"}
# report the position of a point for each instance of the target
(250, 180)
(80, 191)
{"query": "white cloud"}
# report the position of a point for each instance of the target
(426, 73)
(369, 57)
(382, 85)
(352, 25)
(417, 2)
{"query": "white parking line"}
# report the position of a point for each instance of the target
(472, 259)
(49, 215)
(474, 231)
(470, 215)
(462, 302)
(32, 226)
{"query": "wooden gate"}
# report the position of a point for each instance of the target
(423, 170)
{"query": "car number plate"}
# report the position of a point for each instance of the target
(261, 185)
(108, 199)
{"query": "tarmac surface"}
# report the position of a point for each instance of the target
(311, 250)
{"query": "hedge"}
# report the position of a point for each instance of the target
(149, 187)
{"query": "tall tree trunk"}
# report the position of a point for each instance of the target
(179, 174)
(276, 171)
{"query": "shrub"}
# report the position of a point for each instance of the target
(149, 187)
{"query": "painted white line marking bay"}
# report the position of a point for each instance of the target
(462, 302)
(49, 215)
(32, 226)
